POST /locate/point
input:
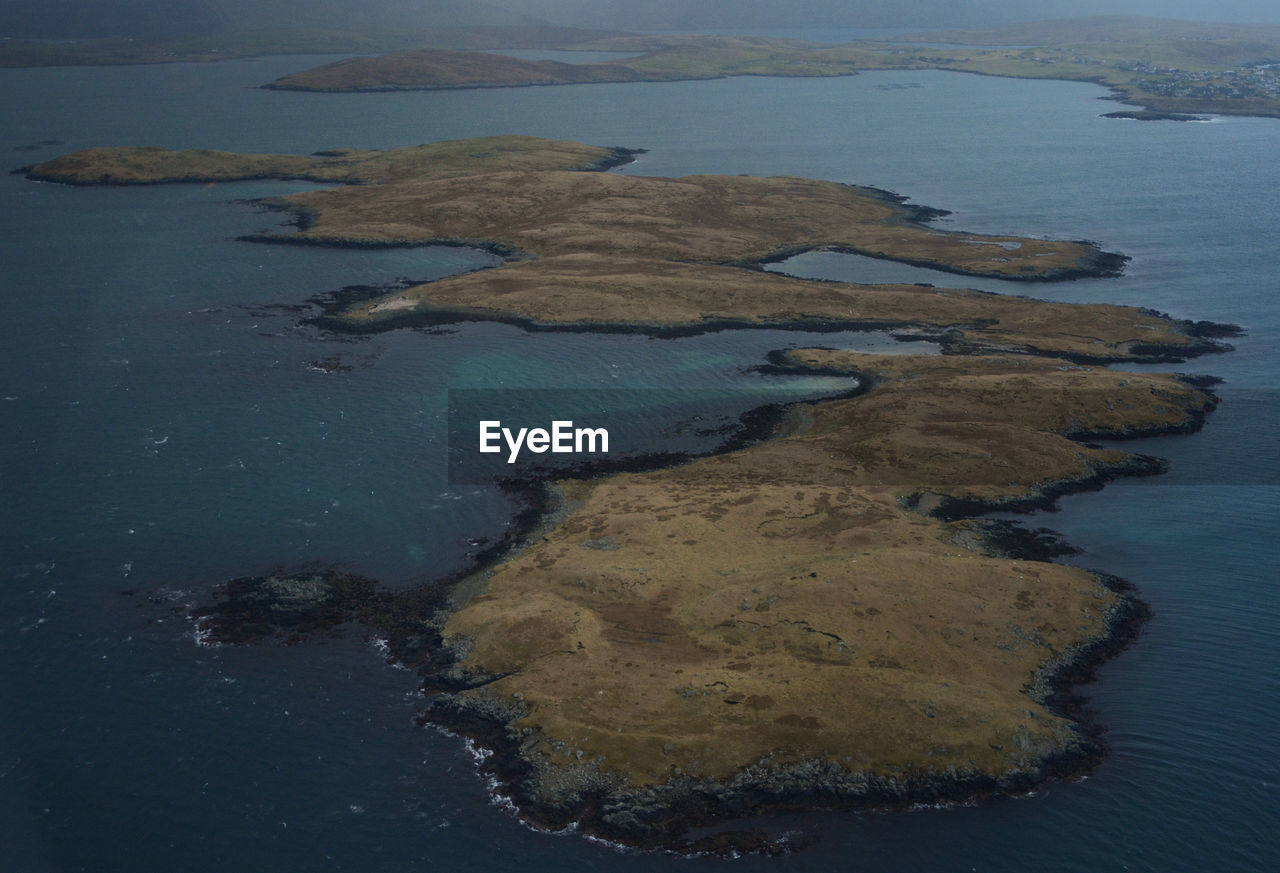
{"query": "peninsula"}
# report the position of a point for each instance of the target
(590, 249)
(813, 618)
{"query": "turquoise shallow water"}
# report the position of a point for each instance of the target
(164, 427)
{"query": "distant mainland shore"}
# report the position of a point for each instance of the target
(1167, 68)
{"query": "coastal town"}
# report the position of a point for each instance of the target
(1260, 79)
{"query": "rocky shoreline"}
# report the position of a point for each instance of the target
(596, 803)
(659, 817)
(1152, 115)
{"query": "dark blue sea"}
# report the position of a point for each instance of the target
(167, 424)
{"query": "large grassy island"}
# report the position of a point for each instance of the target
(812, 619)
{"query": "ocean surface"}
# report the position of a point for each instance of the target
(166, 424)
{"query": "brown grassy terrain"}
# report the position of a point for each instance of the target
(593, 289)
(606, 249)
(702, 219)
(148, 164)
(780, 605)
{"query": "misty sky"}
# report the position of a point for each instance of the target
(878, 13)
(81, 18)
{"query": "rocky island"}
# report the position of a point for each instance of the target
(811, 618)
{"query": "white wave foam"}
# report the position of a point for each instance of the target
(202, 635)
(383, 648)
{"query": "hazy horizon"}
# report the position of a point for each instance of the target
(152, 18)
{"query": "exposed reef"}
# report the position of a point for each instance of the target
(1150, 115)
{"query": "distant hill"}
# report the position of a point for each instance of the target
(158, 19)
(814, 14)
(722, 14)
(165, 19)
(1098, 29)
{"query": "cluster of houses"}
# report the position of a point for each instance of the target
(1258, 79)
